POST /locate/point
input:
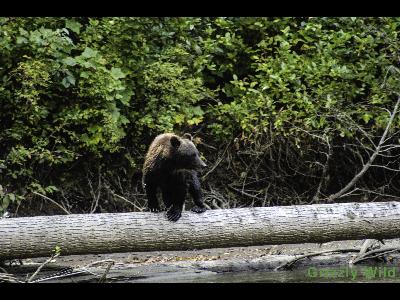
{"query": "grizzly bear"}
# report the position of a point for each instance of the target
(171, 165)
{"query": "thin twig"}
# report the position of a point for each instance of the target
(99, 262)
(217, 163)
(52, 201)
(96, 198)
(9, 278)
(352, 182)
(380, 251)
(104, 276)
(244, 193)
(126, 200)
(324, 172)
(3, 270)
(296, 259)
(78, 271)
(380, 194)
(365, 246)
(42, 265)
(58, 275)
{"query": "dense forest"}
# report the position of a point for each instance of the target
(283, 110)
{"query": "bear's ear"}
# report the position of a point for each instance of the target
(188, 136)
(175, 142)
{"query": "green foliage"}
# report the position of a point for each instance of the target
(172, 94)
(306, 70)
(57, 251)
(77, 90)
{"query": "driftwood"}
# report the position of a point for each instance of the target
(145, 231)
(213, 265)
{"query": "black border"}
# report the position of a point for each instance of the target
(198, 8)
(205, 291)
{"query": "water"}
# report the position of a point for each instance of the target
(326, 275)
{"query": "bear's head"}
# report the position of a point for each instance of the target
(185, 153)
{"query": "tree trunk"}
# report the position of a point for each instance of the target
(145, 231)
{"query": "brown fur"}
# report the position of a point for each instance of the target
(171, 165)
(158, 150)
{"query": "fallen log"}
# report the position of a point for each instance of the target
(145, 231)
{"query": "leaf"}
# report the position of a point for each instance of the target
(35, 37)
(179, 118)
(68, 80)
(89, 64)
(23, 32)
(51, 188)
(195, 121)
(57, 250)
(197, 111)
(5, 202)
(21, 40)
(197, 49)
(12, 197)
(84, 74)
(286, 30)
(73, 25)
(116, 73)
(115, 114)
(366, 117)
(71, 79)
(69, 61)
(89, 52)
(65, 82)
(235, 77)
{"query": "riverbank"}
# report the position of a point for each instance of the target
(237, 264)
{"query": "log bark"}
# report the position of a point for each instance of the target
(145, 231)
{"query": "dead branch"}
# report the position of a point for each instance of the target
(104, 276)
(68, 272)
(220, 159)
(52, 201)
(380, 252)
(95, 196)
(124, 199)
(366, 166)
(290, 263)
(42, 265)
(315, 199)
(9, 278)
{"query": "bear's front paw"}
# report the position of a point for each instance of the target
(154, 209)
(198, 209)
(174, 214)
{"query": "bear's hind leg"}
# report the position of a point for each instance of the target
(151, 192)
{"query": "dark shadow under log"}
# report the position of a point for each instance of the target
(145, 231)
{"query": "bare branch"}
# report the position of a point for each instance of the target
(42, 265)
(296, 259)
(380, 252)
(371, 160)
(104, 276)
(380, 194)
(217, 163)
(52, 201)
(324, 172)
(385, 167)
